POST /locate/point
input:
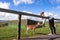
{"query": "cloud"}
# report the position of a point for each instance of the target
(48, 13)
(30, 17)
(17, 2)
(39, 19)
(10, 16)
(53, 15)
(57, 16)
(58, 0)
(58, 7)
(27, 12)
(7, 16)
(26, 17)
(54, 1)
(4, 5)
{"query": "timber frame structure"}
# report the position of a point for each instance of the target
(19, 18)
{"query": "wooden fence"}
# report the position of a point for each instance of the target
(20, 14)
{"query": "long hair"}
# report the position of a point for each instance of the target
(42, 14)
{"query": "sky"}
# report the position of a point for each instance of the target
(49, 7)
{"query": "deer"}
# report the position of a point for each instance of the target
(32, 27)
(36, 25)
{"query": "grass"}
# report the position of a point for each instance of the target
(8, 32)
(39, 31)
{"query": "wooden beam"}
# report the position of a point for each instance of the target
(22, 13)
(19, 26)
(56, 19)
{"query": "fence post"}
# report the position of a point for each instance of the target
(19, 26)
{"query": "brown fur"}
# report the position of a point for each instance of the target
(32, 27)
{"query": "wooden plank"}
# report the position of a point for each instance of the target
(19, 26)
(18, 12)
(22, 13)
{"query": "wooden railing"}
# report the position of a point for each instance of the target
(20, 14)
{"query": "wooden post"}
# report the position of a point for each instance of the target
(19, 26)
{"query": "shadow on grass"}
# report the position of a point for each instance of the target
(41, 33)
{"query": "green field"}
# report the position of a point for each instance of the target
(39, 31)
(10, 32)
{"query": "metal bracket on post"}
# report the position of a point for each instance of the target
(19, 26)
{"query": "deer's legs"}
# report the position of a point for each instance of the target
(33, 30)
(27, 30)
